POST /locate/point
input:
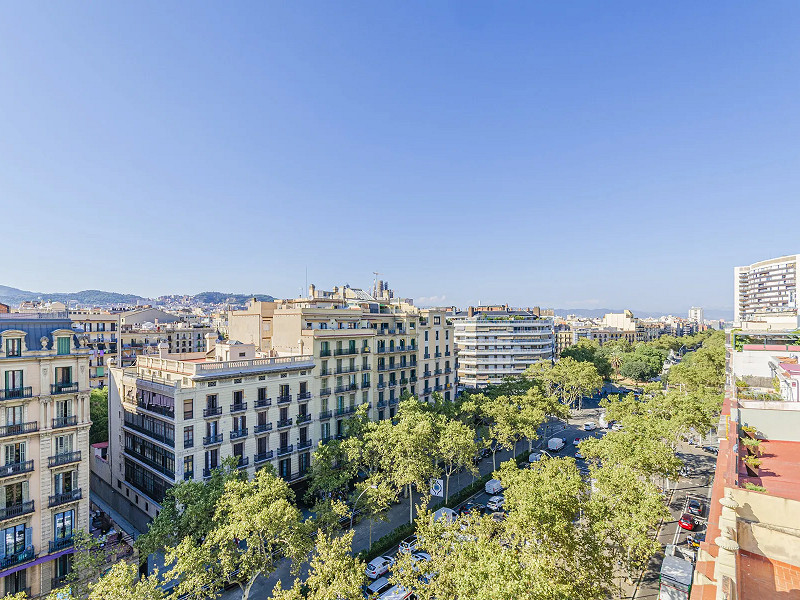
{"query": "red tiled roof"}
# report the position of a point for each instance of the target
(779, 471)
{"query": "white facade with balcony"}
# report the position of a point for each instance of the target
(765, 294)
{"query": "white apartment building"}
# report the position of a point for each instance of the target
(696, 315)
(497, 343)
(183, 413)
(44, 432)
(765, 294)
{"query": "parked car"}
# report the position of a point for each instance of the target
(687, 521)
(495, 503)
(378, 566)
(472, 507)
(578, 455)
(493, 487)
(616, 427)
(377, 587)
(417, 556)
(397, 592)
(694, 539)
(408, 545)
(603, 423)
(694, 507)
(711, 449)
(589, 426)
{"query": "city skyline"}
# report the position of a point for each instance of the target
(558, 155)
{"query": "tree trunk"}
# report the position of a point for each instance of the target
(446, 487)
(494, 460)
(410, 504)
(246, 588)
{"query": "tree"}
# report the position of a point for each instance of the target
(570, 380)
(188, 510)
(98, 410)
(122, 582)
(502, 421)
(89, 561)
(456, 448)
(589, 351)
(331, 471)
(334, 574)
(255, 525)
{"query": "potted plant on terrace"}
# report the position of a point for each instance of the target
(749, 431)
(753, 446)
(752, 463)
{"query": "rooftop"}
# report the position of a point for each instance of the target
(780, 469)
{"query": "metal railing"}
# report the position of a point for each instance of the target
(63, 498)
(325, 392)
(345, 351)
(284, 399)
(286, 450)
(240, 407)
(151, 434)
(304, 396)
(263, 402)
(63, 459)
(341, 370)
(212, 411)
(262, 428)
(263, 456)
(19, 429)
(15, 558)
(210, 440)
(16, 510)
(284, 423)
(325, 414)
(304, 444)
(365, 385)
(324, 352)
(303, 418)
(16, 393)
(238, 433)
(244, 462)
(64, 387)
(67, 421)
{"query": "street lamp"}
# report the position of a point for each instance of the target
(355, 504)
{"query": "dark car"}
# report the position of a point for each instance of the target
(694, 507)
(695, 539)
(472, 508)
(687, 521)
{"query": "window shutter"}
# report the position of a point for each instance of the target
(28, 537)
(2, 543)
(25, 496)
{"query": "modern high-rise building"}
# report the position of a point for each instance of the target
(496, 342)
(765, 294)
(44, 431)
(696, 314)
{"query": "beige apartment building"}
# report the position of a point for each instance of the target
(44, 431)
(101, 329)
(182, 414)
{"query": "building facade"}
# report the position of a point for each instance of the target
(44, 431)
(101, 329)
(183, 414)
(765, 294)
(494, 344)
(696, 314)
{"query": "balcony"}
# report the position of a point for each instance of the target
(345, 351)
(394, 401)
(427, 355)
(304, 396)
(427, 374)
(427, 390)
(341, 370)
(325, 392)
(365, 350)
(64, 388)
(169, 441)
(324, 352)
(63, 459)
(188, 475)
(392, 383)
(413, 379)
(302, 445)
(286, 450)
(16, 468)
(437, 372)
(68, 421)
(303, 418)
(403, 381)
(285, 399)
(60, 544)
(383, 368)
(263, 402)
(262, 457)
(9, 560)
(212, 411)
(437, 354)
(438, 388)
(66, 497)
(263, 428)
(382, 350)
(240, 407)
(326, 440)
(16, 510)
(447, 353)
(19, 429)
(365, 385)
(243, 463)
(382, 404)
(345, 410)
(16, 393)
(211, 440)
(325, 414)
(238, 433)
(284, 423)
(340, 389)
(207, 473)
(448, 370)
(381, 385)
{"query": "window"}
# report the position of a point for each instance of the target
(62, 345)
(437, 320)
(63, 374)
(188, 409)
(238, 397)
(63, 525)
(14, 540)
(211, 401)
(14, 347)
(15, 453)
(188, 437)
(437, 334)
(14, 380)
(14, 415)
(426, 335)
(64, 482)
(188, 465)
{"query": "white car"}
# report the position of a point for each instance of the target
(616, 427)
(577, 441)
(378, 566)
(408, 545)
(417, 556)
(495, 503)
(578, 454)
(589, 426)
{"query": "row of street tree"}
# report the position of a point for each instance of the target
(567, 534)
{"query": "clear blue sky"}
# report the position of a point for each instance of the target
(558, 153)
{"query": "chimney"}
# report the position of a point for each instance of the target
(471, 311)
(211, 341)
(163, 349)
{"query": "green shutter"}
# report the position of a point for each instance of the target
(63, 345)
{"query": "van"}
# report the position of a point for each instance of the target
(408, 545)
(493, 487)
(555, 444)
(379, 586)
(602, 422)
(397, 592)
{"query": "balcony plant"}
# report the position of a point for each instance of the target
(753, 446)
(749, 431)
(752, 465)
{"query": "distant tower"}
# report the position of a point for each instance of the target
(696, 314)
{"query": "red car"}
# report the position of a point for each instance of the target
(687, 521)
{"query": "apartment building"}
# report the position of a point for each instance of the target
(765, 294)
(176, 417)
(496, 343)
(101, 329)
(44, 431)
(696, 314)
(752, 543)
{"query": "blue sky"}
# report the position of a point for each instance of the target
(570, 154)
